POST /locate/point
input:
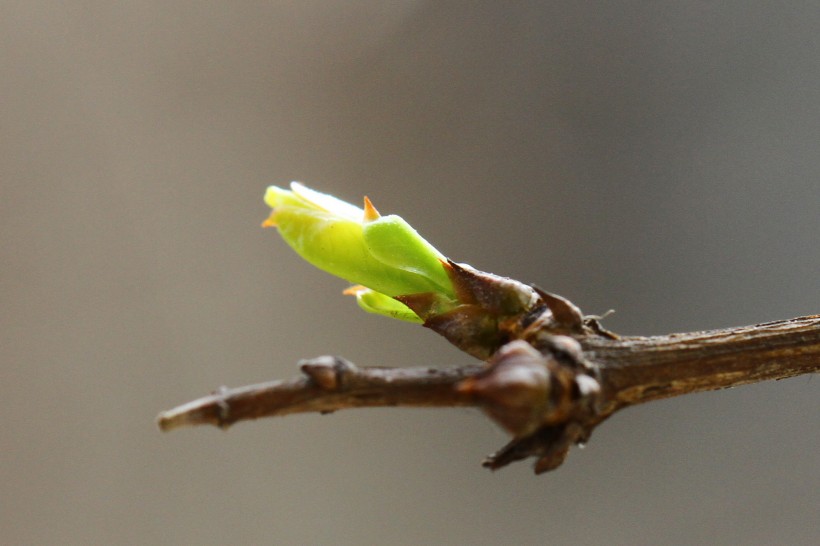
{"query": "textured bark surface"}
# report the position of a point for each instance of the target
(548, 390)
(328, 384)
(641, 369)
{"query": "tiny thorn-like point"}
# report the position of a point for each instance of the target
(370, 212)
(353, 290)
(269, 222)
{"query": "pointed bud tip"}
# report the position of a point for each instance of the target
(353, 290)
(370, 212)
(269, 221)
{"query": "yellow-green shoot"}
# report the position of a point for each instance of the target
(382, 255)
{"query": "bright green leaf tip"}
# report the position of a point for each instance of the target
(382, 253)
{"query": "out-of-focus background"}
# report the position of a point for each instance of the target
(661, 159)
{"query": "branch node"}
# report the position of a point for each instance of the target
(327, 372)
(223, 409)
(514, 389)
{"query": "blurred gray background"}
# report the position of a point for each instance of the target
(658, 158)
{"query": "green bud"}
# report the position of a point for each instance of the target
(394, 242)
(384, 254)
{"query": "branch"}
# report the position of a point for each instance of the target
(641, 369)
(328, 384)
(551, 375)
(549, 391)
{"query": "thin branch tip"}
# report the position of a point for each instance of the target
(168, 421)
(187, 415)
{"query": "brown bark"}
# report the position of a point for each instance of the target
(640, 369)
(548, 399)
(328, 384)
